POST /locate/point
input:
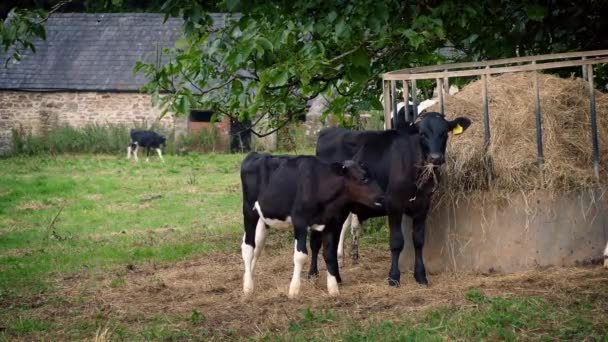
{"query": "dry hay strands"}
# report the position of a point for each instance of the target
(512, 151)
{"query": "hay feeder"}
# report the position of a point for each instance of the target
(524, 186)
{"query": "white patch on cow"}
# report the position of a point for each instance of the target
(332, 285)
(275, 223)
(129, 152)
(260, 238)
(135, 152)
(299, 259)
(606, 256)
(355, 225)
(247, 252)
(318, 227)
(160, 154)
(346, 225)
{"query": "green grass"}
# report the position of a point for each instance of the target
(482, 319)
(112, 212)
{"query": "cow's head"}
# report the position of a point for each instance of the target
(434, 129)
(360, 187)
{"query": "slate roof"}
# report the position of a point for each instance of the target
(93, 52)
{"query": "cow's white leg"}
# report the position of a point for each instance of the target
(606, 256)
(160, 154)
(346, 225)
(129, 152)
(260, 238)
(332, 285)
(247, 252)
(355, 231)
(135, 152)
(299, 258)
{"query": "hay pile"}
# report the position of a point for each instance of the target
(513, 152)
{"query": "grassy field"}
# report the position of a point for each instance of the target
(100, 247)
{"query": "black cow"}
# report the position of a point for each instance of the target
(405, 162)
(304, 192)
(148, 140)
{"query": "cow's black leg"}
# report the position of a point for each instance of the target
(300, 254)
(315, 247)
(396, 245)
(418, 238)
(251, 220)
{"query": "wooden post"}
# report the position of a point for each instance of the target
(440, 90)
(584, 69)
(414, 100)
(394, 103)
(406, 100)
(387, 105)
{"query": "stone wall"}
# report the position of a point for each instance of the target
(37, 112)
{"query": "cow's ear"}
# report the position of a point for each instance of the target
(459, 125)
(339, 168)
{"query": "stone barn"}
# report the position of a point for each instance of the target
(83, 74)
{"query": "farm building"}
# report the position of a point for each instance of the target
(83, 74)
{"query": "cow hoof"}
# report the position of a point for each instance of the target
(293, 293)
(247, 292)
(422, 282)
(313, 276)
(393, 282)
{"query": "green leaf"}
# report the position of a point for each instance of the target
(360, 58)
(265, 43)
(536, 12)
(332, 16)
(340, 28)
(181, 44)
(232, 5)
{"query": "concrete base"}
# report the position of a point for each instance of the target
(531, 230)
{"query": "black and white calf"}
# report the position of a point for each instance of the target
(306, 193)
(146, 139)
(405, 162)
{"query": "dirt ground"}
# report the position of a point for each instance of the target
(212, 285)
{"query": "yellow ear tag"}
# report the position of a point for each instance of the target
(457, 130)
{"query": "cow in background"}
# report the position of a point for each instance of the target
(148, 140)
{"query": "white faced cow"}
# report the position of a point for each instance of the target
(306, 193)
(405, 162)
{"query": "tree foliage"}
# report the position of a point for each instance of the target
(275, 56)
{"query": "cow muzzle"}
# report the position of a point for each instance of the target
(380, 202)
(435, 158)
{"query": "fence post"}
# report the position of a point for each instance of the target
(386, 91)
(584, 67)
(539, 128)
(395, 119)
(596, 155)
(414, 100)
(406, 100)
(440, 90)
